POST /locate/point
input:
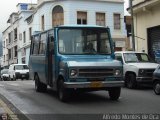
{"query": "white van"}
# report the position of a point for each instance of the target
(18, 71)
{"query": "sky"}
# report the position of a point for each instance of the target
(9, 6)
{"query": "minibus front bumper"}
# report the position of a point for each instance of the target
(99, 84)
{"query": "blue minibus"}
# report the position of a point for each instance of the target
(74, 58)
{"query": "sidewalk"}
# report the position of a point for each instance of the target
(5, 112)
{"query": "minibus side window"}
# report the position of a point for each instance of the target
(35, 45)
(42, 48)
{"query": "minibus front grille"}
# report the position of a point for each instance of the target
(92, 73)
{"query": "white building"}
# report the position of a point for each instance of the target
(10, 41)
(110, 13)
(147, 27)
(50, 13)
(12, 36)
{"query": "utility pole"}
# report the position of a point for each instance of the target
(132, 25)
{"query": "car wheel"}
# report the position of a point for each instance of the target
(63, 93)
(114, 93)
(156, 87)
(40, 87)
(131, 81)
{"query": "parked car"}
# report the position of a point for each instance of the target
(4, 75)
(156, 81)
(137, 67)
(18, 71)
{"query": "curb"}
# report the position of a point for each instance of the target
(8, 111)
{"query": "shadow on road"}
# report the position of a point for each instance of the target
(85, 97)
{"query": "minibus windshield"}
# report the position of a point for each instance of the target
(83, 41)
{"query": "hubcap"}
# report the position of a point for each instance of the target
(157, 88)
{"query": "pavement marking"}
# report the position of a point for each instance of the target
(8, 111)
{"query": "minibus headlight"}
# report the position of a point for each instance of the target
(117, 72)
(73, 73)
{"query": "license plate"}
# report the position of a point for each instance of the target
(96, 84)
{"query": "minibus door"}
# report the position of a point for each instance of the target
(51, 60)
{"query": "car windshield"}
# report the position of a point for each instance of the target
(136, 57)
(84, 41)
(21, 67)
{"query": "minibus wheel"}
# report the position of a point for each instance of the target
(63, 93)
(114, 93)
(39, 86)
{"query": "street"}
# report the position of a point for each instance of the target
(24, 97)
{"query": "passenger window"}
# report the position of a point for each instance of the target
(42, 46)
(35, 45)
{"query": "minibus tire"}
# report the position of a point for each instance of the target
(114, 93)
(63, 93)
(39, 86)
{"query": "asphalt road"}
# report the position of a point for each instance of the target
(34, 105)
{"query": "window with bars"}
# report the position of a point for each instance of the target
(24, 37)
(15, 34)
(117, 24)
(100, 19)
(15, 51)
(81, 18)
(9, 54)
(9, 37)
(42, 23)
(30, 33)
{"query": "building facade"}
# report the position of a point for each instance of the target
(50, 13)
(10, 41)
(147, 26)
(109, 13)
(14, 34)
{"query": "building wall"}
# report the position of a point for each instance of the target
(91, 7)
(9, 45)
(23, 27)
(142, 21)
(70, 13)
(70, 8)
